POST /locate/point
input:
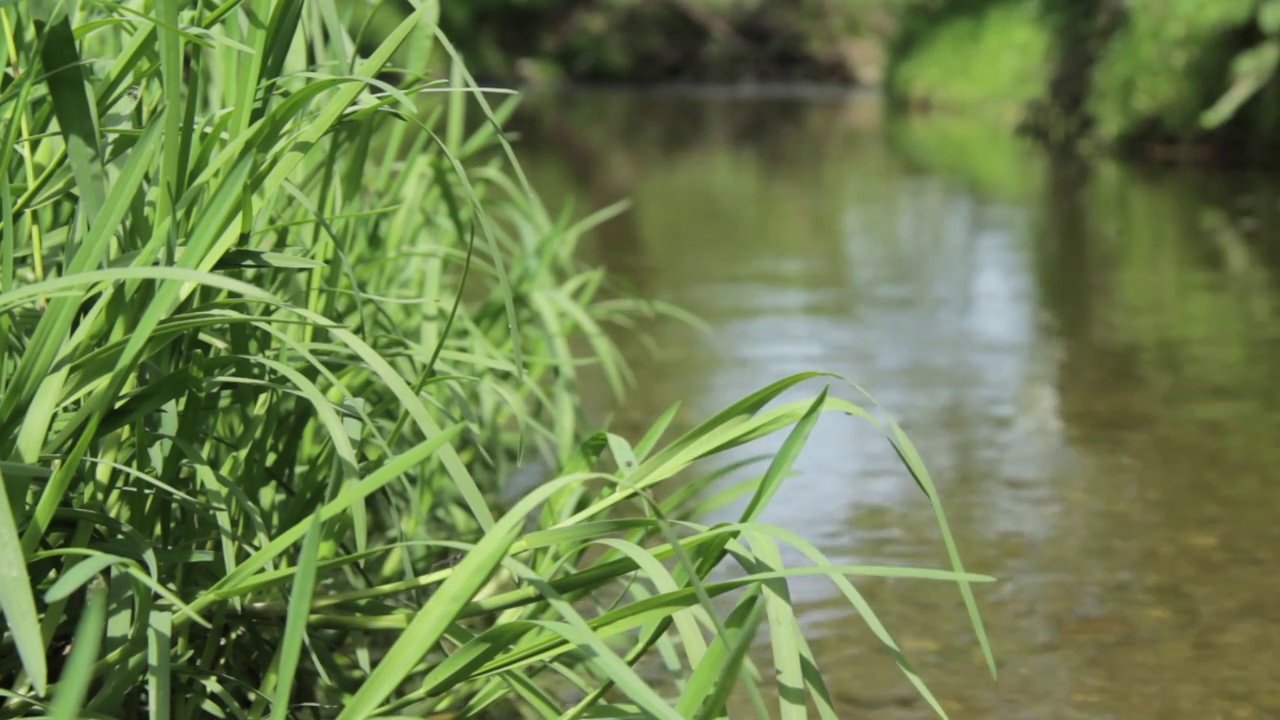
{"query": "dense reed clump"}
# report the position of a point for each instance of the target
(276, 321)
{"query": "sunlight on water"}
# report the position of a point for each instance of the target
(1084, 354)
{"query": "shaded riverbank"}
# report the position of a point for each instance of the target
(1180, 81)
(1170, 81)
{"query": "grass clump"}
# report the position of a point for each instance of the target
(276, 321)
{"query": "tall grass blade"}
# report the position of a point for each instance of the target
(159, 665)
(911, 458)
(16, 599)
(783, 461)
(77, 675)
(708, 688)
(786, 638)
(295, 627)
(77, 116)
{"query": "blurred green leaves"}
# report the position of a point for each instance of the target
(1251, 70)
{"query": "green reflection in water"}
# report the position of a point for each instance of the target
(1085, 354)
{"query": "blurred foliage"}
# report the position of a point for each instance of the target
(988, 58)
(1165, 65)
(1131, 74)
(1126, 73)
(662, 40)
(1252, 70)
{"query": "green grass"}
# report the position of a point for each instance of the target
(273, 331)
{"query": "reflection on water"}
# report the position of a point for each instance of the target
(1084, 354)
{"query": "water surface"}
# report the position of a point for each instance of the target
(1086, 355)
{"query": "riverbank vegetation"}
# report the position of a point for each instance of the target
(1153, 77)
(275, 333)
(672, 40)
(1164, 79)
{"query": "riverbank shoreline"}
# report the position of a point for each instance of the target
(1188, 84)
(1200, 152)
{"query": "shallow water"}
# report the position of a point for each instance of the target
(1085, 355)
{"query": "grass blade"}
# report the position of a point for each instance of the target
(655, 432)
(73, 685)
(159, 665)
(911, 458)
(784, 634)
(295, 628)
(16, 599)
(713, 679)
(77, 116)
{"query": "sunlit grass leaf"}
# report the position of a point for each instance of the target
(73, 684)
(79, 574)
(76, 115)
(16, 599)
(786, 638)
(160, 665)
(715, 675)
(655, 432)
(911, 457)
(782, 462)
(295, 627)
